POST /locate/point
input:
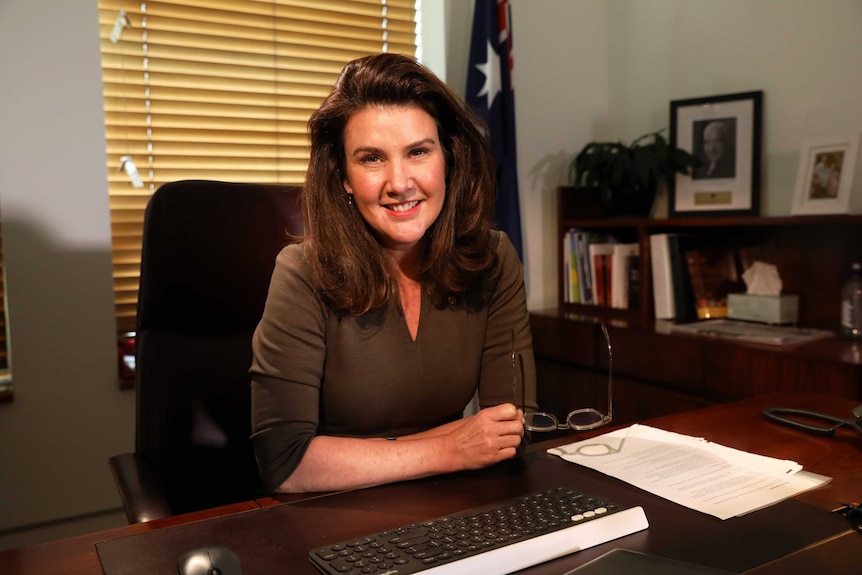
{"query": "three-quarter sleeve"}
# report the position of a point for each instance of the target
(287, 367)
(508, 316)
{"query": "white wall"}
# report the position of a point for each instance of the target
(584, 70)
(68, 415)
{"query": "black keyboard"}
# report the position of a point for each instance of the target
(496, 539)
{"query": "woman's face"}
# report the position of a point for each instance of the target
(396, 171)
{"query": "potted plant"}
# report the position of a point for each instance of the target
(625, 177)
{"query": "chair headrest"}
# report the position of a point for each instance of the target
(208, 253)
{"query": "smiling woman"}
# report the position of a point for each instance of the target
(399, 305)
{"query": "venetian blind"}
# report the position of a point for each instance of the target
(222, 90)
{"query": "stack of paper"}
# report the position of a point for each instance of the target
(691, 471)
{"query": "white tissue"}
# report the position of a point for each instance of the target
(762, 279)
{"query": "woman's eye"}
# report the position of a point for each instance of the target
(370, 159)
(418, 152)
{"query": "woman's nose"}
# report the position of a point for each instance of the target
(400, 177)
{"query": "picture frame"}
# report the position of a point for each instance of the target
(725, 133)
(828, 179)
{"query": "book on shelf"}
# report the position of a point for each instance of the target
(683, 292)
(602, 274)
(620, 273)
(576, 269)
(714, 273)
(585, 281)
(600, 270)
(662, 280)
(600, 253)
(571, 283)
(633, 272)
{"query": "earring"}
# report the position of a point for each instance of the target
(349, 199)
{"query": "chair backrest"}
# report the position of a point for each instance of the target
(208, 253)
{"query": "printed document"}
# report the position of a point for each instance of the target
(691, 471)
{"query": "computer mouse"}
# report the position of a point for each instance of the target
(210, 560)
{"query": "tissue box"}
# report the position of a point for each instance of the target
(763, 308)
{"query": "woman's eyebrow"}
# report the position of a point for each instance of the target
(365, 150)
(376, 150)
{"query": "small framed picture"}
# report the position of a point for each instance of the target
(827, 180)
(724, 133)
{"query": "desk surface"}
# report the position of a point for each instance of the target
(275, 534)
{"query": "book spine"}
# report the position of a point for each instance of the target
(620, 275)
(584, 268)
(609, 278)
(694, 262)
(683, 298)
(572, 261)
(663, 297)
(619, 279)
(633, 272)
(566, 274)
(599, 281)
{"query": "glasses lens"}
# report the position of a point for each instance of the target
(586, 419)
(538, 421)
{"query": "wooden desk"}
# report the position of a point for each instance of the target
(273, 536)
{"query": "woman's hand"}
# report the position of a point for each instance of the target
(490, 436)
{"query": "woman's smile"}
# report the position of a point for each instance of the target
(401, 208)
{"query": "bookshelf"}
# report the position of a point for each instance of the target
(813, 253)
(657, 372)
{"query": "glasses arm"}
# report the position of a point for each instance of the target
(514, 374)
(610, 372)
(523, 384)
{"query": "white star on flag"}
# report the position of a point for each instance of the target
(491, 70)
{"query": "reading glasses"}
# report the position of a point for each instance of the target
(579, 419)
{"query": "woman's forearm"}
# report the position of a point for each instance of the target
(338, 463)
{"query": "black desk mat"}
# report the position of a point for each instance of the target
(277, 539)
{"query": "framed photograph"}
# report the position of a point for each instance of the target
(724, 133)
(827, 180)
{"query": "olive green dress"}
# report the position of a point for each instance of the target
(315, 372)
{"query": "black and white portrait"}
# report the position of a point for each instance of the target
(715, 146)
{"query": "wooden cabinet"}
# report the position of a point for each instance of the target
(656, 372)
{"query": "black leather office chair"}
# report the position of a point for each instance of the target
(208, 253)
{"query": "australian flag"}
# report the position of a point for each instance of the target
(490, 92)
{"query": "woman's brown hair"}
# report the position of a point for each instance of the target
(351, 268)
